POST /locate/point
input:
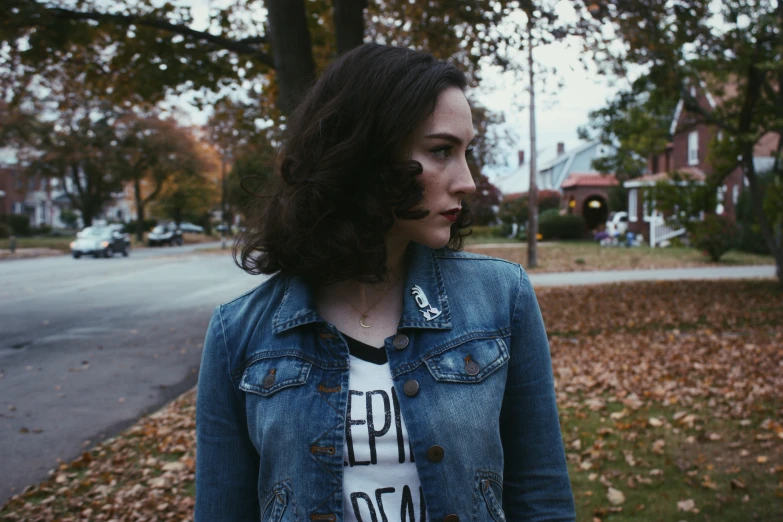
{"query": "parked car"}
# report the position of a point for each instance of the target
(190, 227)
(123, 231)
(617, 225)
(101, 241)
(167, 234)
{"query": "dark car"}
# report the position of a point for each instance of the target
(168, 234)
(100, 242)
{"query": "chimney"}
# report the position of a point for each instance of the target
(560, 148)
(521, 154)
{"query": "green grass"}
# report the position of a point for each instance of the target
(477, 240)
(557, 256)
(55, 243)
(701, 470)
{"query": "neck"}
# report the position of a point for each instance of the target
(395, 255)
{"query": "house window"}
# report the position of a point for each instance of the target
(632, 209)
(18, 207)
(735, 194)
(693, 148)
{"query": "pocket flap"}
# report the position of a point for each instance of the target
(472, 361)
(268, 376)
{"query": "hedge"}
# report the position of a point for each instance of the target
(551, 225)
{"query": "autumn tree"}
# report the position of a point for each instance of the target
(150, 152)
(735, 51)
(192, 188)
(65, 138)
(153, 49)
(485, 201)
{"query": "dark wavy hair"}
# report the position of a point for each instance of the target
(343, 172)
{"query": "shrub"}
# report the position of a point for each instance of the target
(486, 231)
(43, 230)
(5, 230)
(149, 224)
(515, 210)
(18, 225)
(552, 225)
(716, 235)
(751, 240)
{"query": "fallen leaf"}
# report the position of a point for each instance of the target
(686, 505)
(615, 496)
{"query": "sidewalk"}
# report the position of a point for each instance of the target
(664, 274)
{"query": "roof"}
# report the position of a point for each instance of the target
(567, 155)
(514, 196)
(589, 179)
(695, 174)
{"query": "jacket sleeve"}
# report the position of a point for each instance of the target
(536, 486)
(227, 463)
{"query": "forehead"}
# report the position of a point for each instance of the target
(451, 115)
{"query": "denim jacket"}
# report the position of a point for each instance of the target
(273, 391)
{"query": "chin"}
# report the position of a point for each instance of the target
(435, 241)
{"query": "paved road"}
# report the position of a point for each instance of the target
(89, 345)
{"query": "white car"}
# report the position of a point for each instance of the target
(190, 227)
(617, 225)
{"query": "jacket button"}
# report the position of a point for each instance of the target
(435, 454)
(269, 380)
(410, 388)
(451, 518)
(400, 341)
(471, 368)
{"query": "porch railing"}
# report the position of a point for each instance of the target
(661, 229)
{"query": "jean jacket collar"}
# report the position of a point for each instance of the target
(425, 303)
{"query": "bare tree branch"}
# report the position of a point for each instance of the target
(244, 46)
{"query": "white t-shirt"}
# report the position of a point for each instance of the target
(380, 483)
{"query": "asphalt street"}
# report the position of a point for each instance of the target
(88, 346)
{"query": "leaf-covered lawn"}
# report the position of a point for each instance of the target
(577, 256)
(670, 398)
(670, 394)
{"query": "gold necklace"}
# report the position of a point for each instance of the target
(363, 315)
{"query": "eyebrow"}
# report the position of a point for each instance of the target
(448, 137)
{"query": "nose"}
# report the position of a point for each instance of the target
(464, 184)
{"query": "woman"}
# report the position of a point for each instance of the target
(380, 374)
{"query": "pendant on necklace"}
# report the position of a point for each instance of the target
(361, 322)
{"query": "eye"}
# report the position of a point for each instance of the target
(468, 152)
(442, 152)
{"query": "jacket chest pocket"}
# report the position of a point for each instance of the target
(469, 362)
(268, 376)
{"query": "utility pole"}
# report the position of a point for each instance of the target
(223, 200)
(532, 205)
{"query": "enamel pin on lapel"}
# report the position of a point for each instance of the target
(421, 299)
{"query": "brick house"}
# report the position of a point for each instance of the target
(687, 152)
(12, 190)
(587, 194)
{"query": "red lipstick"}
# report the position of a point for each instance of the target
(452, 214)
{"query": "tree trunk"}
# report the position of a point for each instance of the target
(532, 206)
(139, 210)
(292, 51)
(757, 197)
(349, 24)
